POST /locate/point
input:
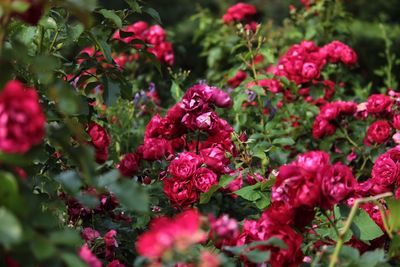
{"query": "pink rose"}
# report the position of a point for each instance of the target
(378, 103)
(204, 179)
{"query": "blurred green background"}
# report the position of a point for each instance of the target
(366, 15)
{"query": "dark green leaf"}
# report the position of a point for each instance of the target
(111, 15)
(154, 14)
(10, 228)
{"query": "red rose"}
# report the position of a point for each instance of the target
(129, 165)
(396, 121)
(100, 141)
(377, 133)
(196, 98)
(236, 80)
(99, 135)
(180, 193)
(296, 187)
(185, 165)
(330, 111)
(273, 85)
(34, 12)
(337, 183)
(153, 127)
(386, 169)
(21, 118)
(215, 158)
(204, 178)
(155, 149)
(378, 103)
(115, 263)
(322, 127)
(176, 112)
(239, 12)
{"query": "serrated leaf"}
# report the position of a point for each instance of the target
(258, 256)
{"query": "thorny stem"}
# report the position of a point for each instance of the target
(335, 256)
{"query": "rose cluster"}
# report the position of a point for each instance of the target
(303, 62)
(154, 36)
(22, 119)
(311, 181)
(241, 12)
(195, 113)
(329, 117)
(110, 244)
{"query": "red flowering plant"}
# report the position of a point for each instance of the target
(255, 144)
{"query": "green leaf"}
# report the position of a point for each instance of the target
(134, 5)
(42, 248)
(249, 193)
(394, 215)
(108, 178)
(8, 189)
(205, 197)
(372, 258)
(112, 92)
(284, 141)
(112, 16)
(66, 237)
(364, 228)
(70, 180)
(226, 179)
(72, 260)
(131, 195)
(258, 256)
(10, 228)
(238, 100)
(154, 14)
(176, 92)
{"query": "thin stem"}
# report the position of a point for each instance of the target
(335, 256)
(384, 219)
(331, 222)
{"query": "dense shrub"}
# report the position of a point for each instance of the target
(226, 139)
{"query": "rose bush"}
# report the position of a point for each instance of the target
(257, 143)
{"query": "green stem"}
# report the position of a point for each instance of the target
(335, 256)
(331, 222)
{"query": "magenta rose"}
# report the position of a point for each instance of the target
(155, 149)
(214, 158)
(377, 133)
(386, 169)
(22, 119)
(310, 71)
(378, 103)
(204, 178)
(322, 127)
(207, 121)
(312, 161)
(296, 187)
(330, 111)
(337, 184)
(396, 121)
(185, 165)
